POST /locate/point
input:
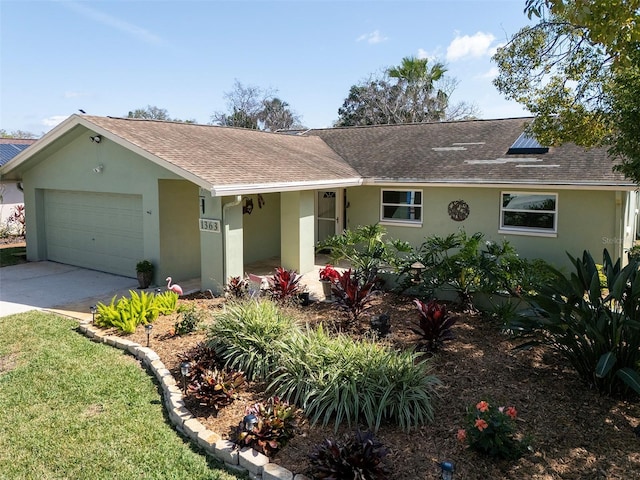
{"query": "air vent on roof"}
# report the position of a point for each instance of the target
(526, 145)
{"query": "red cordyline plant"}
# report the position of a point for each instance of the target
(491, 430)
(352, 294)
(435, 324)
(329, 273)
(284, 284)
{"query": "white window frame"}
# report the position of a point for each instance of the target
(406, 222)
(541, 232)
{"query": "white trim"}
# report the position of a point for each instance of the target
(402, 221)
(249, 188)
(478, 183)
(529, 230)
(527, 233)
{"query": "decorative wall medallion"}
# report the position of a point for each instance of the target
(458, 210)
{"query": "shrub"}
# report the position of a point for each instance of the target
(201, 357)
(596, 328)
(237, 287)
(328, 273)
(190, 319)
(284, 285)
(166, 302)
(215, 388)
(359, 457)
(16, 221)
(353, 293)
(244, 336)
(128, 313)
(276, 424)
(338, 379)
(435, 324)
(491, 430)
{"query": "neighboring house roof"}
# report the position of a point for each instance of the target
(225, 160)
(465, 152)
(10, 147)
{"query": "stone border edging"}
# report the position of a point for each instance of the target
(240, 461)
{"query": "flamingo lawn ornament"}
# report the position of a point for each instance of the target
(174, 288)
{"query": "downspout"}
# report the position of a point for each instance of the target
(226, 206)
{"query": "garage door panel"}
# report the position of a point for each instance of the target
(95, 230)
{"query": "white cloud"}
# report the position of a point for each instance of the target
(471, 46)
(433, 55)
(490, 74)
(373, 37)
(71, 94)
(54, 120)
(113, 22)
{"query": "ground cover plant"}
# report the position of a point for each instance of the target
(71, 408)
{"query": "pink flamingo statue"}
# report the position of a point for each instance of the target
(174, 288)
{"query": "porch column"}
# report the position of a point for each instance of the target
(233, 239)
(297, 223)
(211, 245)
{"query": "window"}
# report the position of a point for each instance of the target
(529, 212)
(401, 206)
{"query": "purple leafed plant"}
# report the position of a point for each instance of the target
(352, 294)
(435, 324)
(284, 284)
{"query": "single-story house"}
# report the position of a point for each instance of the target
(11, 191)
(204, 201)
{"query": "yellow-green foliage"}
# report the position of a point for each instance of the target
(140, 308)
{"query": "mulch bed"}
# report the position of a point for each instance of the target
(575, 432)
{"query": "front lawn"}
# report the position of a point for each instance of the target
(71, 408)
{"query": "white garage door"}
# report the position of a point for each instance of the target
(100, 231)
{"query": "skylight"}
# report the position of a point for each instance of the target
(526, 145)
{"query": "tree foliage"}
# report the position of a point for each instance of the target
(249, 106)
(151, 112)
(576, 71)
(17, 134)
(412, 92)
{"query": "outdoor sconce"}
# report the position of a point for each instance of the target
(96, 138)
(416, 271)
(447, 470)
(93, 309)
(249, 422)
(147, 328)
(185, 368)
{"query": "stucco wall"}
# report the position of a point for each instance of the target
(179, 231)
(262, 229)
(71, 167)
(586, 220)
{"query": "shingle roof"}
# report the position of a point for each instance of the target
(464, 152)
(232, 156)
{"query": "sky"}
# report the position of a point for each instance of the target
(108, 57)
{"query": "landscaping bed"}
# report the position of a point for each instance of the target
(574, 431)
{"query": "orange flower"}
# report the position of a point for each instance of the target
(462, 435)
(512, 412)
(481, 424)
(482, 406)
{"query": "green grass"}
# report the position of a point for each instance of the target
(74, 409)
(12, 256)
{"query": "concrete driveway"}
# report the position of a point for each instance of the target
(52, 286)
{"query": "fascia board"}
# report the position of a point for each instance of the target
(252, 188)
(480, 184)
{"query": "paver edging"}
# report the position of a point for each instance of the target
(211, 442)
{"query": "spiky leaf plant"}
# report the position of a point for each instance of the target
(435, 324)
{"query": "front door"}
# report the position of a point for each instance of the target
(328, 214)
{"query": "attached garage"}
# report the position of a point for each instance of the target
(101, 231)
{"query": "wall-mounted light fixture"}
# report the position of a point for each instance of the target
(96, 138)
(98, 169)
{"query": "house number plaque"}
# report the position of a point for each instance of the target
(207, 225)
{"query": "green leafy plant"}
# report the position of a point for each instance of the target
(336, 379)
(365, 249)
(190, 319)
(215, 388)
(284, 285)
(353, 294)
(491, 430)
(357, 457)
(237, 287)
(435, 324)
(244, 336)
(144, 266)
(166, 302)
(277, 424)
(127, 313)
(595, 327)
